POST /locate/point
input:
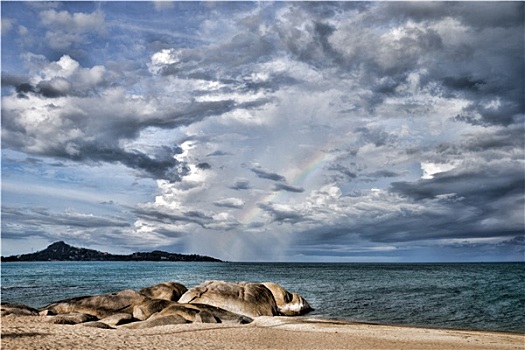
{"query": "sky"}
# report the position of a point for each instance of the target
(265, 131)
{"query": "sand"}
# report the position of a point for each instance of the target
(33, 333)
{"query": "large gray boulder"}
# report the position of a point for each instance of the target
(96, 324)
(17, 310)
(100, 306)
(167, 290)
(156, 321)
(71, 318)
(202, 313)
(117, 319)
(249, 299)
(288, 304)
(148, 307)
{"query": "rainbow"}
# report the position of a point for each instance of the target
(307, 171)
(301, 176)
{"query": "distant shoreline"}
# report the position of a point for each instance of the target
(60, 251)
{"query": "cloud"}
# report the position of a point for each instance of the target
(345, 171)
(326, 129)
(266, 174)
(174, 219)
(66, 30)
(241, 184)
(7, 25)
(22, 223)
(285, 187)
(235, 203)
(163, 5)
(383, 173)
(282, 213)
(74, 96)
(61, 78)
(77, 22)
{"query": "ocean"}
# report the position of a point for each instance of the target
(473, 296)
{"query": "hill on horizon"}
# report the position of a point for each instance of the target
(61, 251)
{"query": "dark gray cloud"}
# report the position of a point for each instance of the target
(383, 173)
(496, 183)
(267, 174)
(41, 217)
(486, 203)
(218, 153)
(282, 214)
(192, 216)
(204, 166)
(107, 131)
(346, 173)
(161, 166)
(481, 15)
(241, 184)
(285, 187)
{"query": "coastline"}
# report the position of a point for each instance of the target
(279, 332)
(464, 296)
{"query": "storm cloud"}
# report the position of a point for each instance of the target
(292, 131)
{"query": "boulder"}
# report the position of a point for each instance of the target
(202, 313)
(96, 324)
(288, 304)
(117, 319)
(17, 310)
(46, 312)
(205, 317)
(223, 316)
(186, 311)
(156, 321)
(249, 299)
(167, 290)
(71, 318)
(148, 307)
(100, 306)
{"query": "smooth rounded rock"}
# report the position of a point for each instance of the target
(250, 299)
(288, 304)
(157, 321)
(148, 307)
(167, 290)
(100, 306)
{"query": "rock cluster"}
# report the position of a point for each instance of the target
(172, 303)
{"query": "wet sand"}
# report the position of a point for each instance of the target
(33, 333)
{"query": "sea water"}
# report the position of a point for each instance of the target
(485, 296)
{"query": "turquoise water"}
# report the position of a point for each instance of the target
(463, 296)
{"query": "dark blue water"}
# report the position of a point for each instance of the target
(463, 296)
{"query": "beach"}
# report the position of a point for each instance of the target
(33, 333)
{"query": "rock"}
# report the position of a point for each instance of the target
(96, 324)
(168, 291)
(186, 311)
(71, 318)
(223, 316)
(100, 306)
(17, 310)
(202, 313)
(148, 307)
(46, 313)
(157, 321)
(205, 317)
(117, 319)
(288, 304)
(249, 299)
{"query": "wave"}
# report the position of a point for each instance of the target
(20, 287)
